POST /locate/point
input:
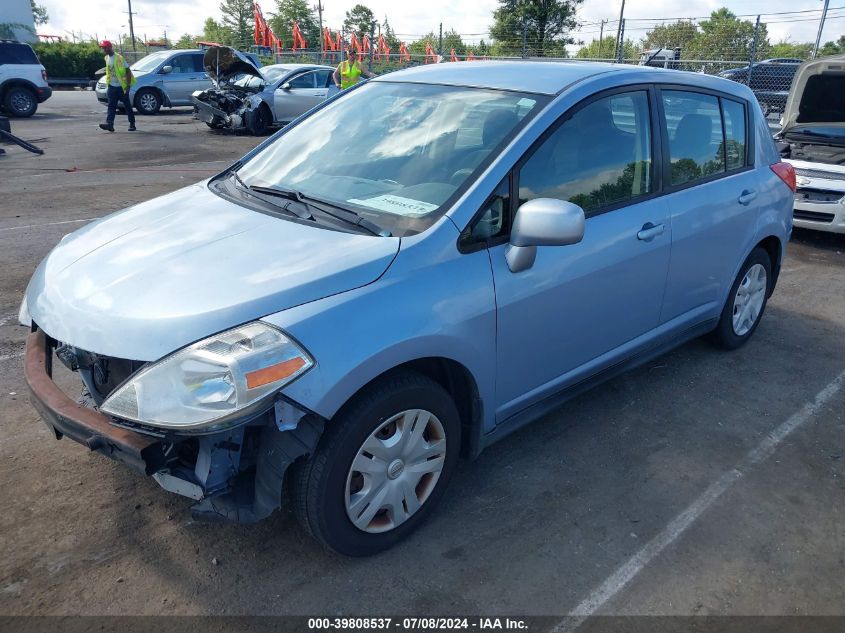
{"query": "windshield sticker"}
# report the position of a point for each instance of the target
(397, 205)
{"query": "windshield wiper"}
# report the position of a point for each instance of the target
(292, 209)
(339, 213)
(346, 215)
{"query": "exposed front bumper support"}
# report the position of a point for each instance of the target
(90, 428)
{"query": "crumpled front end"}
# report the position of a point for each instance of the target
(226, 108)
(234, 474)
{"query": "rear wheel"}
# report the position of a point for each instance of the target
(746, 302)
(20, 101)
(147, 101)
(381, 467)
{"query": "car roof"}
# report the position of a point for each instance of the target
(293, 67)
(548, 78)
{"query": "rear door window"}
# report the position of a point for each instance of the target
(16, 53)
(694, 126)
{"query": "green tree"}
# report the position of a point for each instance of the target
(545, 25)
(389, 36)
(418, 47)
(359, 19)
(785, 48)
(238, 20)
(833, 48)
(606, 49)
(186, 41)
(290, 11)
(677, 34)
(39, 13)
(725, 37)
(213, 31)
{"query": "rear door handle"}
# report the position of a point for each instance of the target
(747, 196)
(650, 231)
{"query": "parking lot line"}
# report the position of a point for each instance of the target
(35, 226)
(634, 565)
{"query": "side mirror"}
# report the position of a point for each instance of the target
(542, 222)
(286, 85)
(166, 69)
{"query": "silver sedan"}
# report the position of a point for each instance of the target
(253, 100)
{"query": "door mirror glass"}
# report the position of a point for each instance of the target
(286, 85)
(543, 222)
(166, 69)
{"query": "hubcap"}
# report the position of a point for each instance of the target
(21, 102)
(395, 471)
(148, 102)
(749, 298)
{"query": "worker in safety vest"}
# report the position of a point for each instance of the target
(348, 73)
(119, 79)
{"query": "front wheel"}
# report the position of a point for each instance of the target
(381, 467)
(746, 302)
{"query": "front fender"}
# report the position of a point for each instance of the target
(431, 302)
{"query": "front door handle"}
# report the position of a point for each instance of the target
(747, 196)
(650, 231)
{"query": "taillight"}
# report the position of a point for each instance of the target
(43, 74)
(786, 173)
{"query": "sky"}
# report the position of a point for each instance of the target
(410, 20)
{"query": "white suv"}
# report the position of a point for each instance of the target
(23, 80)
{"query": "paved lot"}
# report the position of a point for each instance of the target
(703, 483)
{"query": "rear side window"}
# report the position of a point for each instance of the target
(15, 53)
(601, 156)
(734, 114)
(694, 126)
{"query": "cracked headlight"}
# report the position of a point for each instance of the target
(206, 384)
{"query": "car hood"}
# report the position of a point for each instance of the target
(817, 94)
(155, 277)
(222, 63)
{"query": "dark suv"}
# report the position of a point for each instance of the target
(769, 79)
(23, 80)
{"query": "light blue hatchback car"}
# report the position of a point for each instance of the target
(407, 274)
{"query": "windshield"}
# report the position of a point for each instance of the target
(271, 73)
(147, 63)
(392, 152)
(245, 80)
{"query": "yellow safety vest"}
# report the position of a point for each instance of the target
(119, 70)
(349, 74)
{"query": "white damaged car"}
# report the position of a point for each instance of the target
(813, 141)
(248, 99)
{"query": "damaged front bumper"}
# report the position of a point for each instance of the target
(234, 475)
(218, 118)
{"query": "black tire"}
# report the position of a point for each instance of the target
(318, 485)
(20, 101)
(258, 121)
(725, 336)
(147, 101)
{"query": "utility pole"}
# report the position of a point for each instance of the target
(821, 28)
(320, 15)
(620, 30)
(440, 41)
(620, 45)
(601, 36)
(131, 26)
